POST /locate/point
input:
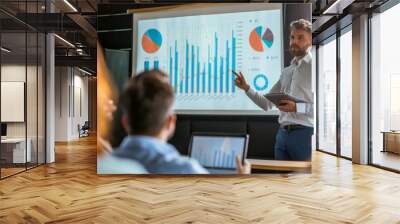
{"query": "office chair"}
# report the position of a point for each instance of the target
(84, 130)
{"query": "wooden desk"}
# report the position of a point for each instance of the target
(13, 150)
(391, 141)
(280, 165)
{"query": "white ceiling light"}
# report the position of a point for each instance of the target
(331, 7)
(65, 41)
(86, 72)
(79, 51)
(338, 6)
(70, 5)
(5, 50)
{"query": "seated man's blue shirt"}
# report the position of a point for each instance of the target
(157, 156)
(110, 164)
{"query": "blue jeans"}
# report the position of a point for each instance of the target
(294, 144)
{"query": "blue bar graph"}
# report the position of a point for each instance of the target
(204, 78)
(198, 70)
(156, 63)
(209, 70)
(211, 76)
(192, 74)
(221, 76)
(221, 159)
(170, 66)
(233, 61)
(187, 68)
(215, 63)
(146, 66)
(176, 68)
(228, 73)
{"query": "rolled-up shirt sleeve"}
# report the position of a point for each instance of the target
(305, 108)
(301, 108)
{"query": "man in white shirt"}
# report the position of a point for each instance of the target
(293, 140)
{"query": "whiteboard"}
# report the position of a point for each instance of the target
(12, 101)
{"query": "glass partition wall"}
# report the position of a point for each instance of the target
(22, 77)
(334, 94)
(385, 90)
(327, 96)
(345, 62)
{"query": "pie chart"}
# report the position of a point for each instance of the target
(151, 41)
(261, 38)
(260, 82)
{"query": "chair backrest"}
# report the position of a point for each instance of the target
(86, 124)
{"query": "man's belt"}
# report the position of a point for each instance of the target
(292, 127)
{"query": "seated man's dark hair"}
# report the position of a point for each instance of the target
(147, 100)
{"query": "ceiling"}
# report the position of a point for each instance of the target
(76, 22)
(76, 25)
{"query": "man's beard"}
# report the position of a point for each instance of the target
(297, 51)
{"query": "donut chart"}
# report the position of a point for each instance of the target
(260, 82)
(261, 38)
(151, 41)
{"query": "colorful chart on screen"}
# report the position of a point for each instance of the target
(261, 38)
(200, 52)
(260, 82)
(151, 41)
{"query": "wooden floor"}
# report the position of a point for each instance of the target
(10, 171)
(70, 191)
(386, 159)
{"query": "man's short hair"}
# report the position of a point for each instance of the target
(147, 101)
(301, 24)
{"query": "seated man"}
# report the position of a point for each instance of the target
(149, 120)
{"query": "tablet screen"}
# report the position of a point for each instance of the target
(218, 151)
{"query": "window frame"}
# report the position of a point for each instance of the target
(334, 37)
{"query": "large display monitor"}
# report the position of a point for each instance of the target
(199, 45)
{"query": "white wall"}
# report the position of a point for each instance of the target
(71, 102)
(61, 103)
(17, 73)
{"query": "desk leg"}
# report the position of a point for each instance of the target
(384, 142)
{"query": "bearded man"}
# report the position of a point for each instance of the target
(293, 140)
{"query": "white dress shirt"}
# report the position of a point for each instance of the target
(295, 80)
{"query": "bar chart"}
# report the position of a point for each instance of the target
(212, 76)
(202, 77)
(217, 152)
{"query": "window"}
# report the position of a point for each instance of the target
(327, 96)
(346, 93)
(385, 89)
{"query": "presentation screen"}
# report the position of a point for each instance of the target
(199, 46)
